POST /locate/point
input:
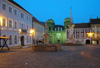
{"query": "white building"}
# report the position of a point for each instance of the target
(80, 33)
(15, 23)
(39, 30)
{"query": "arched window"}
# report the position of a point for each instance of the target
(49, 28)
(4, 35)
(15, 39)
(10, 40)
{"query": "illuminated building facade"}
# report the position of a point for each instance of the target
(80, 33)
(57, 33)
(39, 31)
(15, 23)
(95, 26)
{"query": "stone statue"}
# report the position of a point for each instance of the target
(46, 35)
(46, 27)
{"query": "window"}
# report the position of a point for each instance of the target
(86, 35)
(27, 39)
(27, 27)
(22, 26)
(10, 40)
(10, 9)
(82, 30)
(30, 38)
(27, 17)
(10, 23)
(15, 39)
(15, 25)
(77, 36)
(82, 36)
(19, 25)
(15, 12)
(22, 15)
(3, 6)
(4, 22)
(97, 35)
(49, 28)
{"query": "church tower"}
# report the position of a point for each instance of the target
(66, 23)
(50, 24)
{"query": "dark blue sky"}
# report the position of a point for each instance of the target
(58, 10)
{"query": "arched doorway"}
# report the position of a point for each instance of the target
(87, 41)
(58, 41)
(22, 40)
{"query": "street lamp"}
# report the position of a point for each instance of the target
(32, 31)
(90, 34)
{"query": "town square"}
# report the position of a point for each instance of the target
(49, 34)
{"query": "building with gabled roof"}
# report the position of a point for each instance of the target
(39, 31)
(16, 23)
(95, 29)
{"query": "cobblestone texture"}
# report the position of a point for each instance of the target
(87, 56)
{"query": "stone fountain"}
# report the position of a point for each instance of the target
(46, 47)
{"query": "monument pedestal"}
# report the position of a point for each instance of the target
(46, 38)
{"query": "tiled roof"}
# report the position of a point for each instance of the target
(95, 21)
(37, 21)
(42, 23)
(13, 2)
(82, 25)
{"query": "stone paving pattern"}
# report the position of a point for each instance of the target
(86, 56)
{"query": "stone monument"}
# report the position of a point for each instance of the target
(46, 35)
(71, 26)
(46, 47)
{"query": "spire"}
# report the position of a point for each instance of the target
(71, 21)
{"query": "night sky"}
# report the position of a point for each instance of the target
(58, 10)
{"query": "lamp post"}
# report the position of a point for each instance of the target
(32, 31)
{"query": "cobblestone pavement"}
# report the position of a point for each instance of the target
(86, 56)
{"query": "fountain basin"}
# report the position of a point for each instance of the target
(46, 48)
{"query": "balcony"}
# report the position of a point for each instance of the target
(22, 31)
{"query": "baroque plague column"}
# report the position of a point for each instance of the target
(71, 26)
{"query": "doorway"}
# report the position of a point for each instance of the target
(58, 41)
(87, 41)
(22, 40)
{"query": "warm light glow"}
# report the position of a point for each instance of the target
(19, 30)
(1, 21)
(31, 31)
(90, 34)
